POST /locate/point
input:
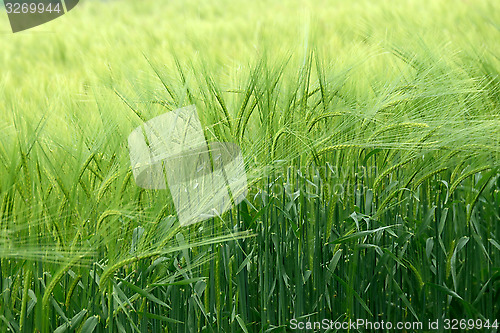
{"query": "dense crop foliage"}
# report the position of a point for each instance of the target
(371, 137)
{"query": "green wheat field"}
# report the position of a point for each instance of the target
(370, 132)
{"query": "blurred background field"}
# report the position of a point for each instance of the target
(371, 137)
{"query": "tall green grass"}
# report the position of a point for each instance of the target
(372, 158)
